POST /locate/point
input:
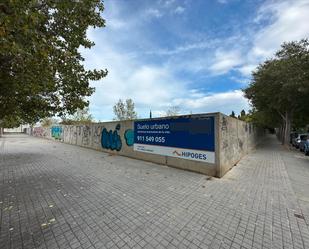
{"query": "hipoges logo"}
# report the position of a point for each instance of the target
(176, 153)
(188, 154)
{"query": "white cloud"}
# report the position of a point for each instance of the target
(288, 21)
(158, 113)
(247, 69)
(277, 22)
(198, 102)
(153, 13)
(151, 87)
(157, 86)
(225, 102)
(166, 3)
(222, 1)
(112, 16)
(291, 20)
(115, 24)
(179, 10)
(185, 48)
(242, 80)
(225, 61)
(164, 8)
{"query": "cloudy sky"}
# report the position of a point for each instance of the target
(195, 54)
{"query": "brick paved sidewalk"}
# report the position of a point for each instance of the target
(54, 195)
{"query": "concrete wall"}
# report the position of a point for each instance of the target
(237, 138)
(232, 141)
(90, 136)
(16, 129)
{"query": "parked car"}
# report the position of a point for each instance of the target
(306, 147)
(303, 139)
(296, 141)
(293, 135)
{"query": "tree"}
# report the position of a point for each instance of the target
(264, 119)
(280, 86)
(41, 67)
(81, 116)
(46, 122)
(124, 110)
(233, 114)
(243, 115)
(10, 121)
(172, 111)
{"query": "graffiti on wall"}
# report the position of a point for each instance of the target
(86, 135)
(66, 133)
(73, 134)
(69, 134)
(39, 132)
(56, 132)
(79, 130)
(66, 129)
(224, 124)
(97, 135)
(129, 137)
(111, 139)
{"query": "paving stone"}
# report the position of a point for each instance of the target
(54, 195)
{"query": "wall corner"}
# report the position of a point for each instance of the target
(218, 143)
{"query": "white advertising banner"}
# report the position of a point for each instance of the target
(189, 154)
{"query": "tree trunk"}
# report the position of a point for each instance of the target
(282, 129)
(287, 128)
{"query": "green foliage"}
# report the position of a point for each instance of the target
(124, 110)
(81, 116)
(262, 118)
(282, 84)
(10, 121)
(47, 122)
(279, 89)
(41, 69)
(247, 117)
(233, 114)
(300, 121)
(172, 111)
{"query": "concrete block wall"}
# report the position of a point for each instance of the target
(233, 139)
(236, 138)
